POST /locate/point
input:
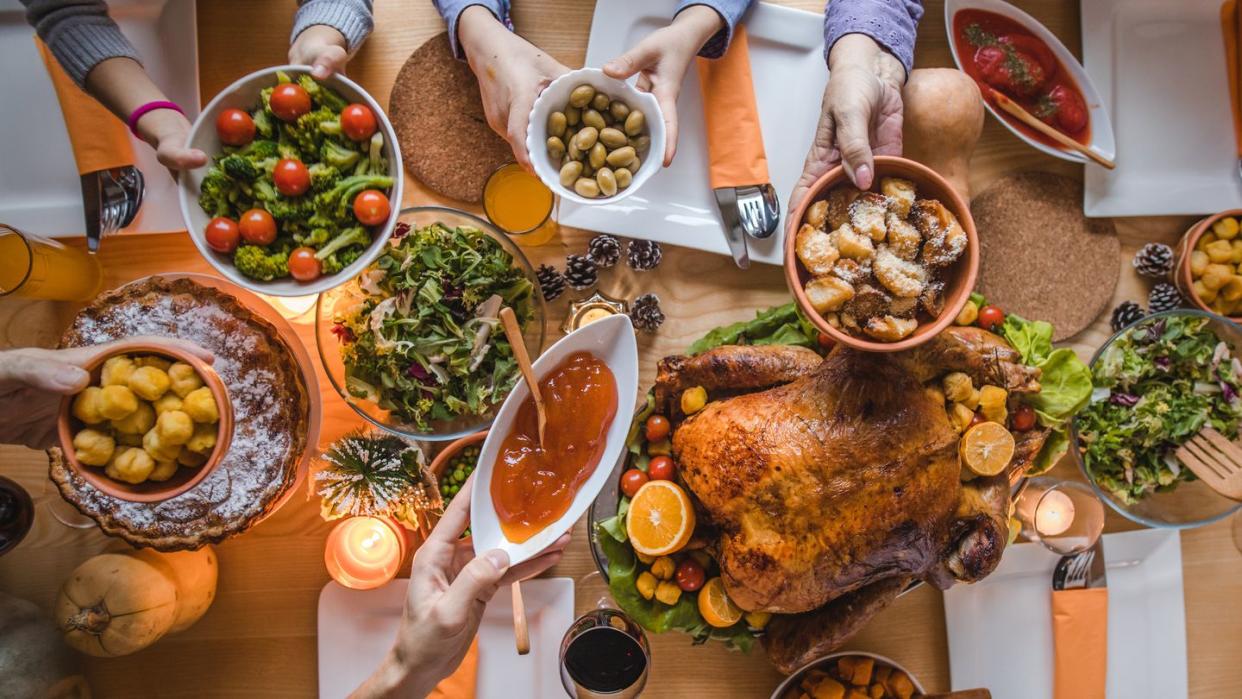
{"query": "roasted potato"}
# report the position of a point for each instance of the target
(903, 238)
(816, 250)
(828, 293)
(900, 194)
(839, 201)
(867, 215)
(890, 329)
(852, 244)
(902, 278)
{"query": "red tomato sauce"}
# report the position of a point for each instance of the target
(1001, 54)
(533, 486)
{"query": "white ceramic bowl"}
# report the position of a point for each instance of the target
(1102, 140)
(244, 94)
(610, 339)
(554, 98)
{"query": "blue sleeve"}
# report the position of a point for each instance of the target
(730, 11)
(893, 24)
(451, 10)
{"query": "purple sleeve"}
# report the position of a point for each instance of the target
(730, 11)
(891, 23)
(450, 10)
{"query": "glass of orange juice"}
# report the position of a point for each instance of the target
(35, 267)
(517, 203)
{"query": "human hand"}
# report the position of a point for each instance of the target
(167, 131)
(33, 380)
(860, 116)
(661, 60)
(449, 587)
(511, 73)
(322, 48)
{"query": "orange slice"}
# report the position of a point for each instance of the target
(986, 448)
(716, 607)
(660, 520)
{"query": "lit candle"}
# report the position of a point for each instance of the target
(364, 552)
(1054, 514)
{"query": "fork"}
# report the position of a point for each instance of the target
(1078, 573)
(1215, 460)
(759, 210)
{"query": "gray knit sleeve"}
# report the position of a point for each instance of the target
(352, 18)
(79, 34)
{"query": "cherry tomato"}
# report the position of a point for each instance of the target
(978, 418)
(221, 234)
(657, 428)
(257, 227)
(235, 127)
(661, 468)
(1023, 419)
(690, 576)
(291, 177)
(371, 207)
(289, 101)
(990, 317)
(631, 481)
(825, 341)
(358, 122)
(303, 266)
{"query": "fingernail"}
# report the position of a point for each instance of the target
(499, 559)
(863, 177)
(70, 376)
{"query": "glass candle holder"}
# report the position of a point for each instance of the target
(517, 203)
(1064, 516)
(363, 553)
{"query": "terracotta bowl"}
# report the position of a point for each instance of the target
(442, 459)
(185, 478)
(959, 278)
(1182, 278)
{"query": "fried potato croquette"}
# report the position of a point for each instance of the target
(203, 439)
(117, 402)
(166, 402)
(156, 447)
(192, 459)
(183, 379)
(148, 382)
(163, 471)
(174, 427)
(86, 405)
(131, 465)
(92, 447)
(137, 422)
(200, 405)
(116, 371)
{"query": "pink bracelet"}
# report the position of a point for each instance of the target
(150, 107)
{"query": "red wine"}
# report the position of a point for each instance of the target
(605, 659)
(16, 514)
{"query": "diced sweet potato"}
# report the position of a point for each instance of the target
(856, 694)
(828, 688)
(862, 671)
(876, 691)
(899, 685)
(881, 673)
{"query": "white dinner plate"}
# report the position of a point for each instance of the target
(1160, 67)
(1000, 629)
(356, 629)
(40, 190)
(611, 340)
(677, 205)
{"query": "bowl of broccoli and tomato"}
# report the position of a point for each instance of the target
(304, 184)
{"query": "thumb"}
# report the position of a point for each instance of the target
(631, 61)
(855, 144)
(477, 582)
(42, 373)
(328, 63)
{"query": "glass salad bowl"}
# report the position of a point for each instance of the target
(1190, 503)
(332, 337)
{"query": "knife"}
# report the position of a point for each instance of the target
(1080, 625)
(726, 201)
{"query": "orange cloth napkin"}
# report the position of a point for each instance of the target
(1230, 28)
(461, 684)
(1080, 643)
(734, 140)
(100, 140)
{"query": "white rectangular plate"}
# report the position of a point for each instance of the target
(1000, 629)
(356, 629)
(1160, 68)
(39, 186)
(677, 206)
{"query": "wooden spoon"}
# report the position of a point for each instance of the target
(1032, 121)
(520, 632)
(1215, 460)
(514, 333)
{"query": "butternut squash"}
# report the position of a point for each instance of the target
(942, 120)
(119, 603)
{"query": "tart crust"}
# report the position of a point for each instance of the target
(270, 404)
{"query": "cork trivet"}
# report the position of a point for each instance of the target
(1041, 258)
(438, 115)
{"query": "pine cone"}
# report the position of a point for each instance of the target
(646, 313)
(604, 251)
(579, 272)
(1154, 260)
(1163, 297)
(1126, 313)
(551, 282)
(643, 255)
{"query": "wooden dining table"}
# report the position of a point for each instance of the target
(259, 637)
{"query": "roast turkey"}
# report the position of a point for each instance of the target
(828, 485)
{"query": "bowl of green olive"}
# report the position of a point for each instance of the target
(594, 139)
(455, 463)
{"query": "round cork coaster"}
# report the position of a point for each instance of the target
(1041, 258)
(438, 115)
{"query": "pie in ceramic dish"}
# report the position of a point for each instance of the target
(271, 408)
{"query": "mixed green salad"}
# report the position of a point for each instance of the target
(1156, 386)
(300, 182)
(424, 340)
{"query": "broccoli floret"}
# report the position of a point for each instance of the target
(264, 191)
(322, 96)
(263, 122)
(338, 156)
(257, 263)
(356, 235)
(335, 202)
(239, 167)
(376, 163)
(259, 149)
(316, 237)
(306, 132)
(217, 192)
(341, 259)
(289, 211)
(323, 177)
